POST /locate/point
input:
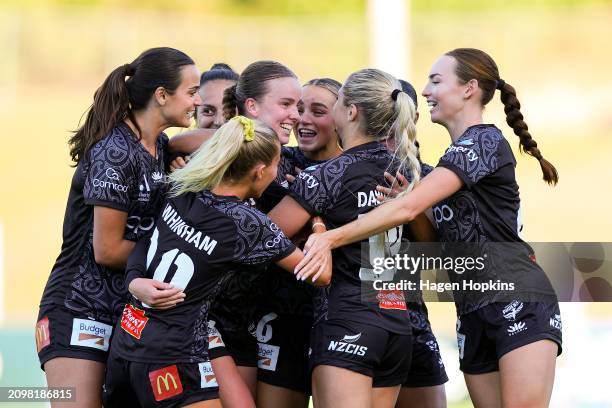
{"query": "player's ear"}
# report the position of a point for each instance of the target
(352, 112)
(258, 171)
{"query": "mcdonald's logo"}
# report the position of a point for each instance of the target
(165, 383)
(43, 336)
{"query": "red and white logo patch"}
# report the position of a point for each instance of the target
(165, 383)
(214, 337)
(133, 320)
(391, 299)
(43, 336)
(207, 375)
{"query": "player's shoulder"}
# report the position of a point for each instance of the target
(483, 135)
(117, 145)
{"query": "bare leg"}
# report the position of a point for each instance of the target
(422, 397)
(484, 389)
(271, 396)
(527, 375)
(336, 387)
(85, 375)
(385, 397)
(249, 376)
(233, 391)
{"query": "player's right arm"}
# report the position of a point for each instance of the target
(156, 294)
(190, 140)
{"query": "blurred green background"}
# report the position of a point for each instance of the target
(56, 53)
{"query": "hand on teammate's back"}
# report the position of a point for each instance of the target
(399, 184)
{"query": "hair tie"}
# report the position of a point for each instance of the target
(499, 84)
(129, 71)
(249, 127)
(395, 93)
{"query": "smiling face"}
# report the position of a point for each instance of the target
(180, 106)
(278, 107)
(444, 92)
(316, 128)
(210, 112)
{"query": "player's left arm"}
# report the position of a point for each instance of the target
(289, 216)
(110, 248)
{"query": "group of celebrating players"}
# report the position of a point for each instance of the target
(184, 277)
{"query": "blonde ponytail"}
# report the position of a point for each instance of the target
(404, 129)
(229, 155)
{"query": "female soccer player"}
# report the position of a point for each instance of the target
(205, 235)
(213, 83)
(209, 115)
(268, 91)
(507, 350)
(360, 342)
(116, 193)
(285, 314)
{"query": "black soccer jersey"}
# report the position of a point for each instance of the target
(340, 190)
(199, 241)
(283, 294)
(117, 172)
(272, 289)
(484, 211)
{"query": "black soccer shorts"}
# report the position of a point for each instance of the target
(369, 350)
(486, 334)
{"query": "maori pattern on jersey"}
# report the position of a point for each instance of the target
(258, 239)
(121, 174)
(199, 348)
(96, 291)
(320, 186)
(110, 174)
(464, 223)
(475, 153)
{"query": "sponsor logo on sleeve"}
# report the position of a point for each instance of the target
(207, 376)
(43, 335)
(214, 337)
(512, 310)
(90, 333)
(133, 320)
(267, 356)
(311, 181)
(471, 154)
(165, 383)
(347, 345)
(112, 175)
(391, 299)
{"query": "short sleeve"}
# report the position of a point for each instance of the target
(110, 174)
(477, 154)
(259, 240)
(310, 191)
(136, 263)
